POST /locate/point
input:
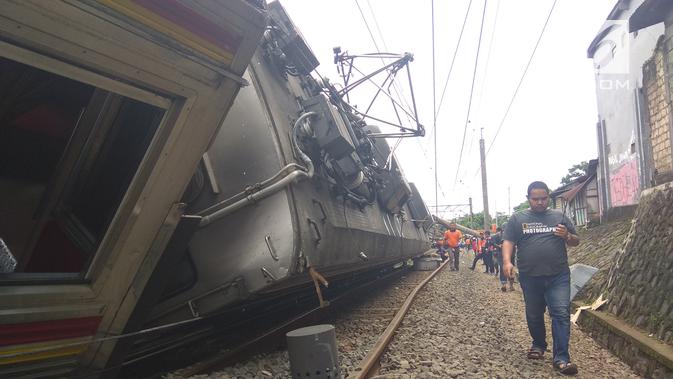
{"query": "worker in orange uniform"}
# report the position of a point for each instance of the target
(452, 241)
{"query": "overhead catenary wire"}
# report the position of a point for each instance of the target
(516, 91)
(364, 19)
(488, 57)
(469, 106)
(376, 46)
(398, 91)
(453, 60)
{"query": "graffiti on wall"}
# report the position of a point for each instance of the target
(624, 186)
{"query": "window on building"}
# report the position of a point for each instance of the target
(68, 153)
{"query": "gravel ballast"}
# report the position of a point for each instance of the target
(460, 326)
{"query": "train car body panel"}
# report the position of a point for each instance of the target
(116, 113)
(268, 244)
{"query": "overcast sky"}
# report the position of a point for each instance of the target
(551, 125)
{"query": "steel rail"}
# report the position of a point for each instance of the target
(370, 363)
(246, 349)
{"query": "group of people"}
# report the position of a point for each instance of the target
(539, 236)
(486, 247)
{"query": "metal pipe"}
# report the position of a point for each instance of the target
(242, 194)
(261, 194)
(295, 142)
(273, 188)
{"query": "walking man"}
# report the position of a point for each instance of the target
(540, 236)
(478, 250)
(497, 252)
(487, 253)
(452, 240)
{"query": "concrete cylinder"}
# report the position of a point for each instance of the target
(313, 352)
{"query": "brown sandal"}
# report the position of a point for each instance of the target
(566, 368)
(535, 353)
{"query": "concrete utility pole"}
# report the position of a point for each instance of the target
(484, 185)
(509, 205)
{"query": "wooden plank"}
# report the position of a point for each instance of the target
(63, 31)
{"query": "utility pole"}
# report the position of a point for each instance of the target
(484, 185)
(471, 213)
(509, 205)
(495, 211)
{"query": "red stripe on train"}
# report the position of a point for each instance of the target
(14, 334)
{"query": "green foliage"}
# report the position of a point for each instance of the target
(575, 172)
(476, 221)
(522, 206)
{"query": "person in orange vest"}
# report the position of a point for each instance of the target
(452, 241)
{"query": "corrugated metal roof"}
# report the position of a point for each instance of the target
(571, 193)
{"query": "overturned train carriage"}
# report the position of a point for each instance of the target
(292, 181)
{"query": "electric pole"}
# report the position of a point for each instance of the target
(509, 205)
(495, 211)
(484, 185)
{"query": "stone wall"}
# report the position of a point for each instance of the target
(640, 282)
(657, 93)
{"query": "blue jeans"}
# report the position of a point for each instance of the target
(503, 278)
(552, 292)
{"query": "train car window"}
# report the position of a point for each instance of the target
(68, 153)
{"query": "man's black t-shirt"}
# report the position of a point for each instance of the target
(496, 240)
(539, 251)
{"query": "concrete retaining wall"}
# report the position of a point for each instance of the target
(640, 284)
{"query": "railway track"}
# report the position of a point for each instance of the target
(365, 319)
(370, 365)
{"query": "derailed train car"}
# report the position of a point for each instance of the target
(113, 104)
(106, 108)
(295, 182)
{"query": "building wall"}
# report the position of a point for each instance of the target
(591, 193)
(657, 82)
(618, 58)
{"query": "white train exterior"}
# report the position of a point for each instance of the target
(107, 108)
(136, 204)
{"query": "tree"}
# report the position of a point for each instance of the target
(476, 221)
(575, 172)
(522, 206)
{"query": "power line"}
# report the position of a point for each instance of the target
(398, 91)
(367, 25)
(453, 60)
(376, 24)
(469, 106)
(522, 77)
(488, 57)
